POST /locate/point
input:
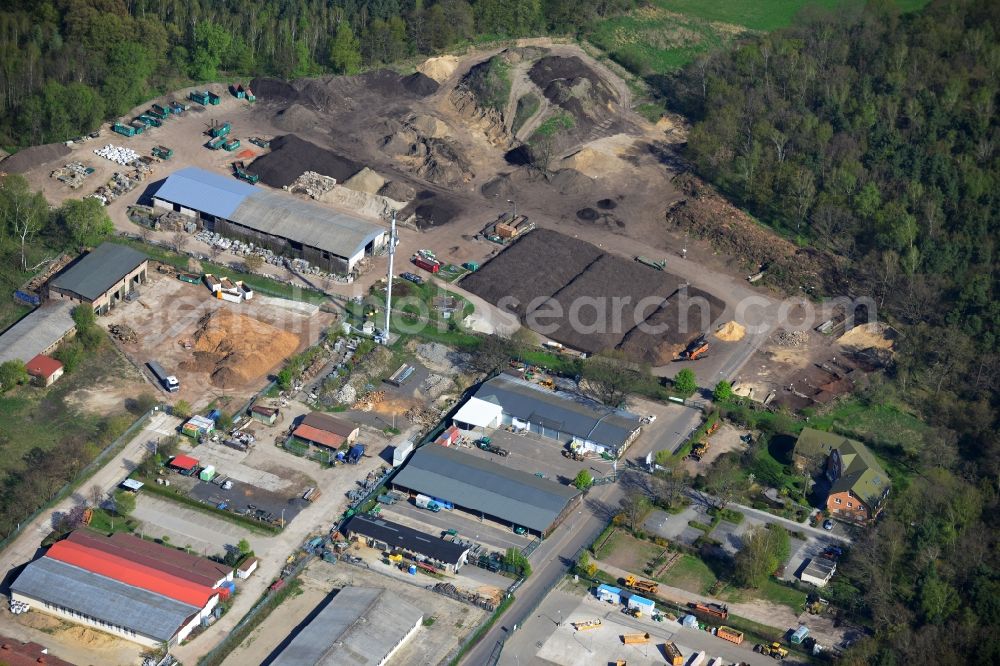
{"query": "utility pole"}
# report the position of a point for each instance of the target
(513, 203)
(388, 287)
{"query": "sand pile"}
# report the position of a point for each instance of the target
(89, 637)
(236, 349)
(865, 336)
(429, 126)
(594, 163)
(397, 191)
(362, 203)
(365, 180)
(731, 332)
(439, 68)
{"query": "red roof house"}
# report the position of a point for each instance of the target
(184, 462)
(44, 369)
(15, 653)
(316, 436)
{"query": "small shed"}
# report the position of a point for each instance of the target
(266, 415)
(184, 463)
(198, 425)
(132, 484)
(400, 452)
(449, 436)
(248, 566)
(612, 595)
(799, 635)
(641, 604)
(819, 571)
(45, 369)
(690, 621)
(207, 473)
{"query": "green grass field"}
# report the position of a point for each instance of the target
(665, 35)
(689, 573)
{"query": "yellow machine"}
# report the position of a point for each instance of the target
(773, 650)
(632, 639)
(589, 624)
(639, 585)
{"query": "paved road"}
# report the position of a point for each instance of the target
(836, 534)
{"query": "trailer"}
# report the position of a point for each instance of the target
(163, 152)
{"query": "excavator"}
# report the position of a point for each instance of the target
(696, 350)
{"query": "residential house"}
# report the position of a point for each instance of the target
(859, 486)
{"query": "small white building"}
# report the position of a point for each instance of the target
(818, 572)
(478, 414)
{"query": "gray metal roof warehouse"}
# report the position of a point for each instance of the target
(39, 332)
(560, 411)
(99, 270)
(268, 212)
(477, 484)
(406, 538)
(359, 626)
(67, 586)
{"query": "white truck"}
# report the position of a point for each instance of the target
(425, 502)
(168, 382)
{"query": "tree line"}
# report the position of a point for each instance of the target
(65, 65)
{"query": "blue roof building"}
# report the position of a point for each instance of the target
(286, 224)
(641, 603)
(609, 594)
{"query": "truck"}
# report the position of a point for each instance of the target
(426, 264)
(714, 610)
(639, 585)
(632, 639)
(425, 502)
(673, 654)
(771, 650)
(694, 351)
(168, 382)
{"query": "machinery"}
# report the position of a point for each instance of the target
(162, 152)
(730, 634)
(673, 654)
(589, 624)
(573, 455)
(698, 450)
(773, 650)
(220, 130)
(714, 610)
(696, 350)
(657, 265)
(639, 585)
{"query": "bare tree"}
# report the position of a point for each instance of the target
(611, 376)
(21, 212)
(634, 506)
(253, 262)
(179, 240)
(668, 486)
(96, 495)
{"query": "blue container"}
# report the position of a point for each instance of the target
(214, 415)
(232, 587)
(412, 570)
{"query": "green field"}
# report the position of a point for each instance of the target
(664, 35)
(689, 573)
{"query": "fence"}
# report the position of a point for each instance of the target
(99, 461)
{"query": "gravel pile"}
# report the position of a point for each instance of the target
(791, 338)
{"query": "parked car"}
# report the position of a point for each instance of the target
(412, 277)
(827, 524)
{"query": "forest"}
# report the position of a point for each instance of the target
(874, 136)
(66, 65)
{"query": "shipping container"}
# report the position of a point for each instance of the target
(432, 267)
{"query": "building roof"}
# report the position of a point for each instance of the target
(479, 413)
(478, 484)
(15, 653)
(184, 462)
(43, 366)
(68, 586)
(318, 436)
(406, 538)
(329, 423)
(357, 627)
(604, 587)
(130, 571)
(37, 331)
(99, 270)
(820, 567)
(862, 475)
(248, 564)
(642, 601)
(559, 410)
(269, 212)
(265, 411)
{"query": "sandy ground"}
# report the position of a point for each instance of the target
(723, 440)
(453, 620)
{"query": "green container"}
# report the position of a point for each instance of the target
(471, 265)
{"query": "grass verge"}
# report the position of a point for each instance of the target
(482, 630)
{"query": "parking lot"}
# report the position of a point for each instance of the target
(535, 454)
(187, 527)
(486, 532)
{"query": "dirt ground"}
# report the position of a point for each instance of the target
(168, 314)
(723, 440)
(453, 620)
(74, 643)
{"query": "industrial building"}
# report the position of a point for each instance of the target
(123, 585)
(392, 537)
(567, 417)
(103, 277)
(38, 332)
(286, 225)
(357, 626)
(487, 489)
(324, 430)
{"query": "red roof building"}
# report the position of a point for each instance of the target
(184, 462)
(316, 436)
(44, 369)
(15, 653)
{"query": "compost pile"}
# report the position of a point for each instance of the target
(432, 209)
(571, 273)
(569, 83)
(235, 349)
(291, 156)
(419, 145)
(29, 158)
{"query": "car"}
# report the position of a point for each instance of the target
(412, 277)
(827, 524)
(519, 530)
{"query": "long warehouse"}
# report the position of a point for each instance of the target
(482, 487)
(286, 225)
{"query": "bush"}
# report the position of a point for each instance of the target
(12, 373)
(583, 480)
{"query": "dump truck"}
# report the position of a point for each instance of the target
(730, 634)
(632, 639)
(240, 169)
(163, 152)
(231, 145)
(639, 585)
(124, 130)
(588, 624)
(694, 351)
(715, 610)
(673, 654)
(773, 650)
(220, 130)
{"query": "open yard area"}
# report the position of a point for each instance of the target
(452, 620)
(215, 348)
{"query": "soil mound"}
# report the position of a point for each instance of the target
(439, 160)
(268, 89)
(594, 163)
(500, 187)
(588, 214)
(296, 118)
(731, 332)
(420, 84)
(571, 182)
(439, 68)
(574, 86)
(30, 158)
(432, 209)
(236, 349)
(397, 191)
(865, 336)
(607, 204)
(291, 156)
(365, 180)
